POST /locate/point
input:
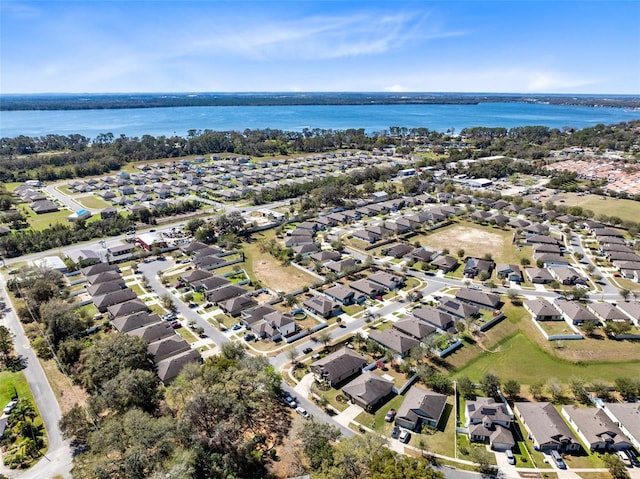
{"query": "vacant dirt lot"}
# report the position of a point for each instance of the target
(474, 241)
(272, 274)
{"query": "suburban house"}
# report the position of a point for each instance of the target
(234, 306)
(166, 347)
(338, 366)
(458, 309)
(631, 309)
(475, 266)
(154, 331)
(479, 298)
(324, 256)
(103, 301)
(575, 312)
(627, 417)
(167, 369)
(342, 266)
(510, 272)
(419, 254)
(441, 320)
(368, 288)
(445, 263)
(128, 307)
(597, 431)
(395, 341)
(386, 280)
(322, 306)
(368, 390)
(253, 315)
(545, 427)
(489, 422)
(398, 250)
(607, 312)
(127, 323)
(344, 295)
(542, 310)
(226, 292)
(567, 275)
(211, 283)
(421, 407)
(539, 275)
(415, 328)
(274, 326)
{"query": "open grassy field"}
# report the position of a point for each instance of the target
(92, 201)
(626, 210)
(521, 359)
(45, 220)
(515, 349)
(475, 240)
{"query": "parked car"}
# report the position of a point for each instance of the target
(176, 324)
(249, 337)
(390, 416)
(10, 405)
(632, 457)
(557, 458)
(395, 431)
(237, 326)
(510, 457)
(404, 436)
(291, 401)
(303, 412)
(307, 350)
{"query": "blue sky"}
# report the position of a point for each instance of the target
(229, 46)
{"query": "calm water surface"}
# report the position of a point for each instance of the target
(373, 118)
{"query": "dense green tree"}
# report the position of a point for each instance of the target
(317, 442)
(130, 389)
(110, 355)
(465, 387)
(490, 385)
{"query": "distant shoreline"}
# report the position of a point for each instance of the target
(34, 102)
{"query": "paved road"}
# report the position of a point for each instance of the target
(150, 270)
(58, 460)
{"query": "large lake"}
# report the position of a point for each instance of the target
(373, 118)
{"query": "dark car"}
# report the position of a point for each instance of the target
(176, 324)
(395, 432)
(307, 350)
(236, 326)
(249, 337)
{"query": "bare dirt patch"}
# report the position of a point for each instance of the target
(67, 393)
(474, 241)
(280, 278)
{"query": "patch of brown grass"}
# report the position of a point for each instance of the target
(67, 393)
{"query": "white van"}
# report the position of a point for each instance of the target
(510, 457)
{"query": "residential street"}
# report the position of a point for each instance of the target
(58, 460)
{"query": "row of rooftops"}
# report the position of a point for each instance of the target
(129, 315)
(543, 310)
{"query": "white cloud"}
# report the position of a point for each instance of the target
(320, 37)
(395, 88)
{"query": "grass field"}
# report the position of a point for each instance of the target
(45, 220)
(92, 202)
(626, 210)
(475, 240)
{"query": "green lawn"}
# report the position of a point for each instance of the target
(45, 220)
(521, 359)
(12, 384)
(626, 210)
(92, 202)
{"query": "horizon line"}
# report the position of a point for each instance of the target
(316, 92)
